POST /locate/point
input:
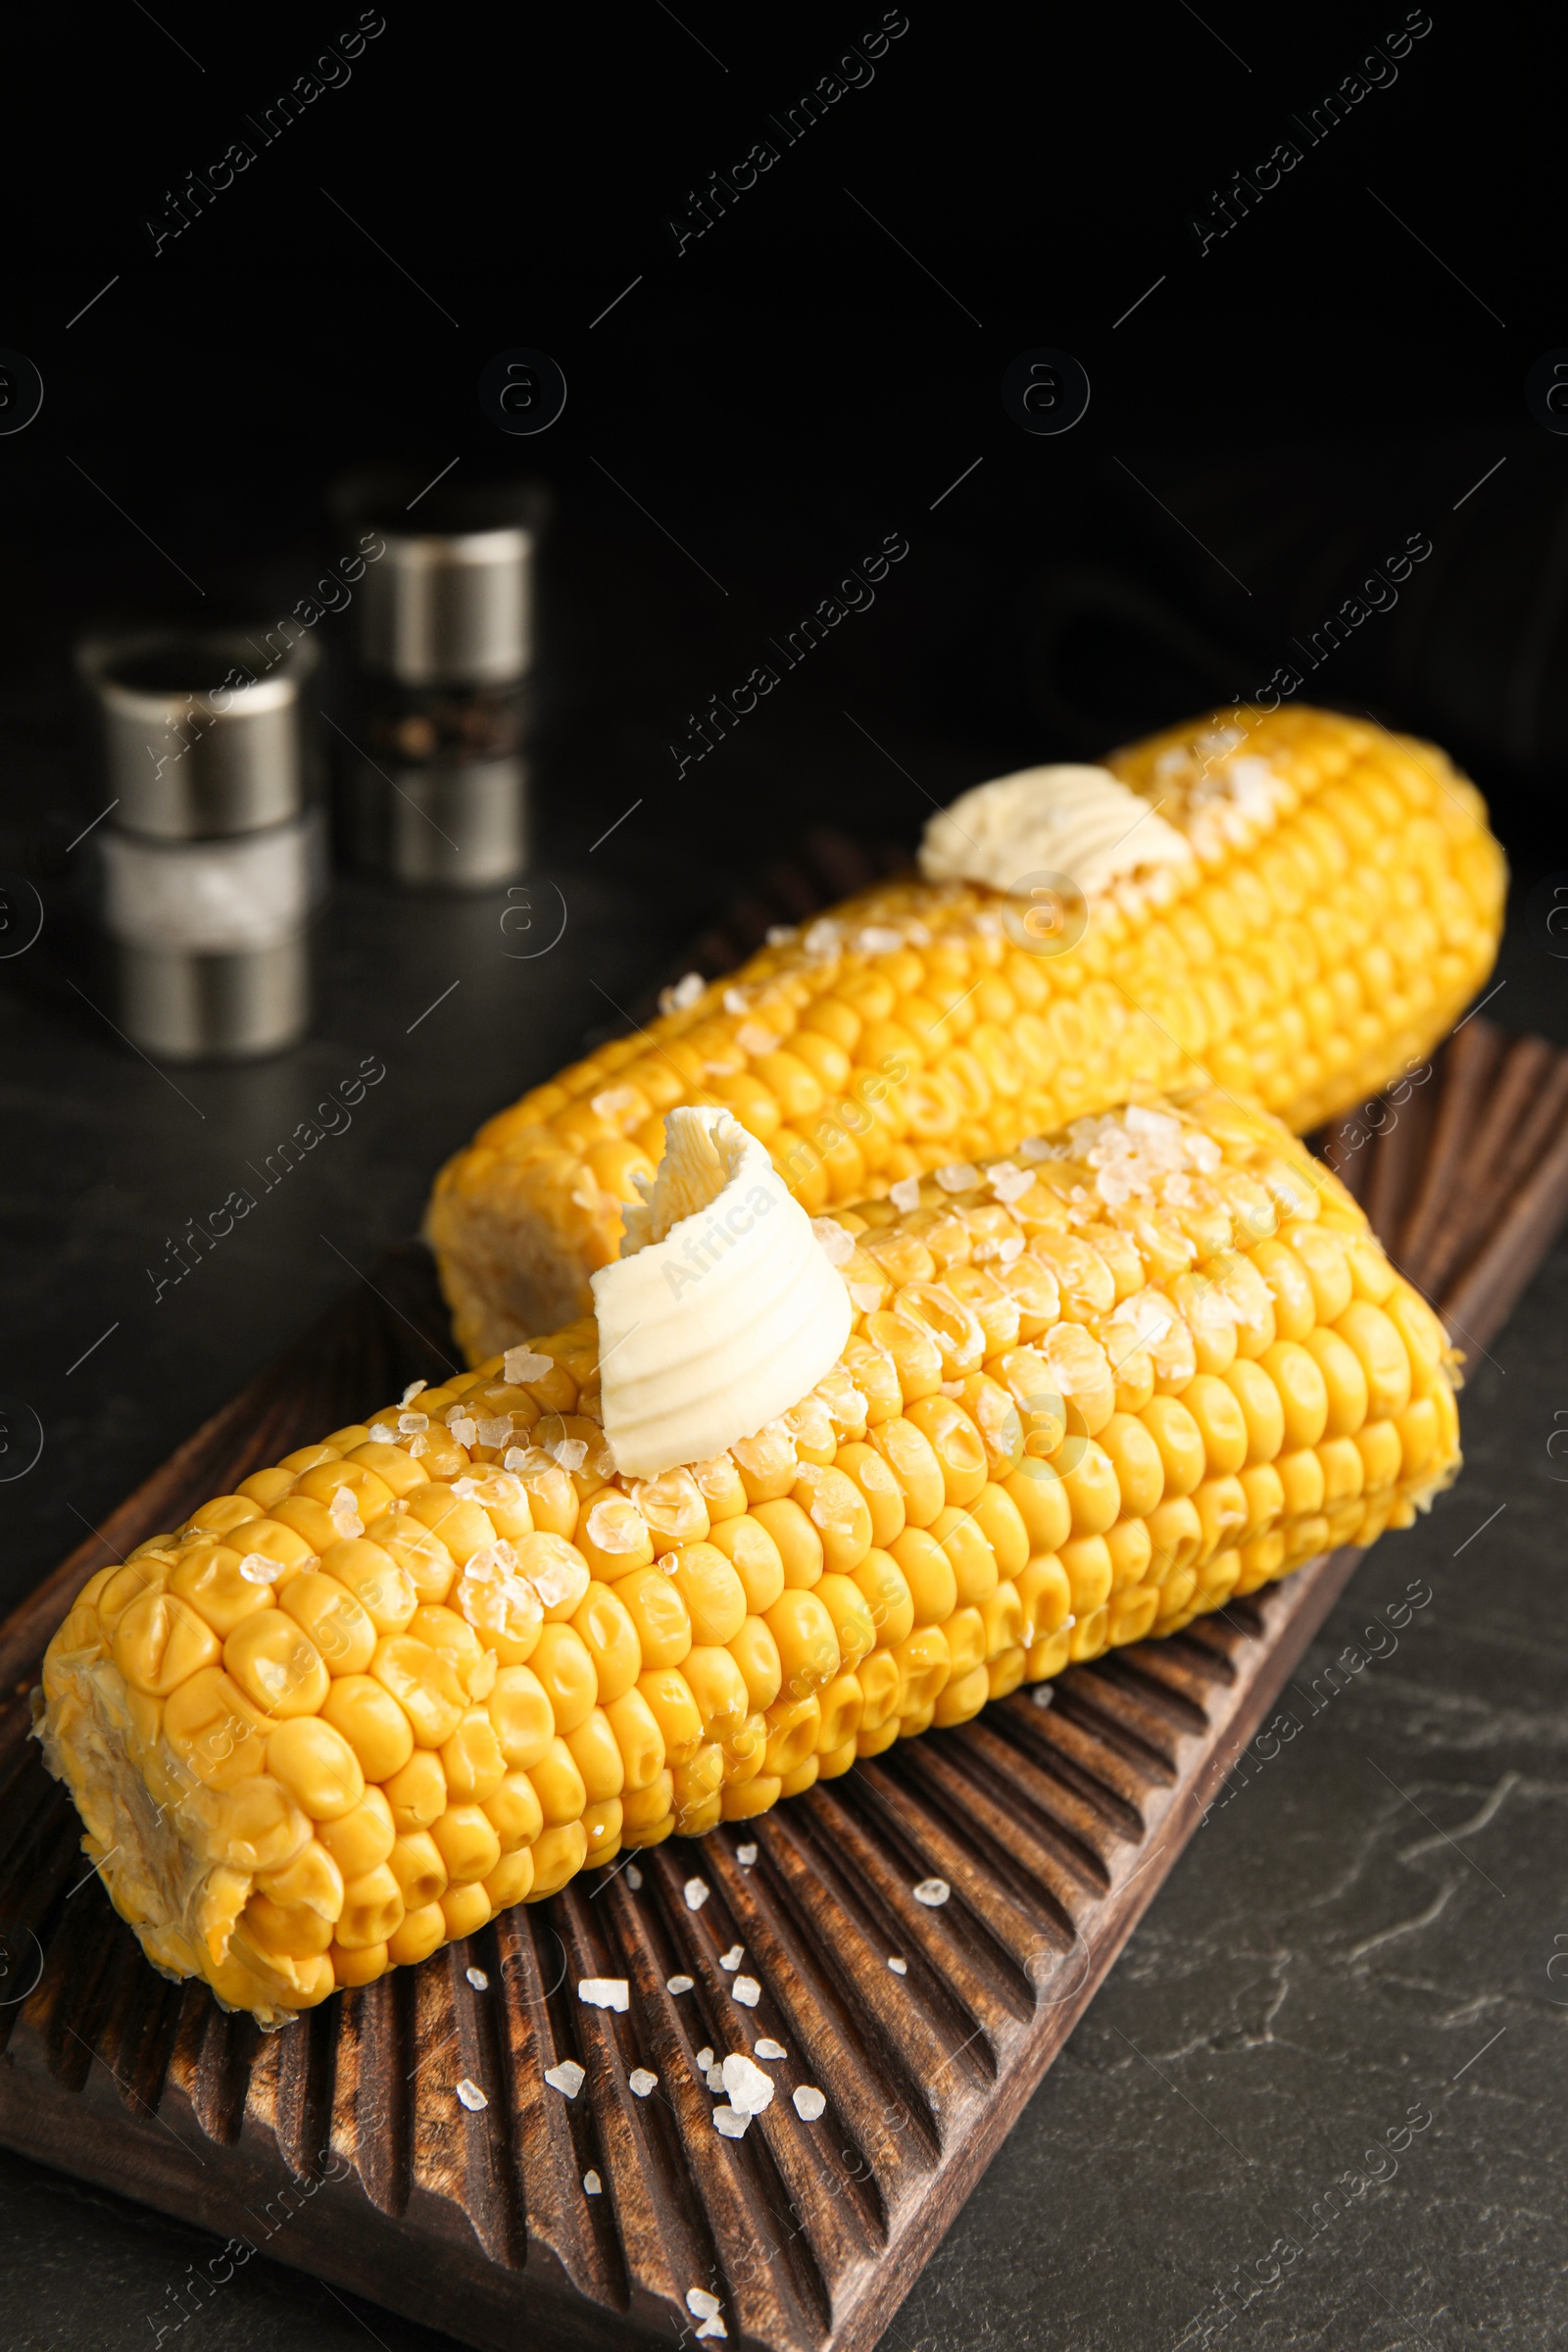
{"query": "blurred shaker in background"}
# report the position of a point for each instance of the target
(435, 775)
(212, 857)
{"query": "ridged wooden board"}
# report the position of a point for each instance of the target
(340, 2143)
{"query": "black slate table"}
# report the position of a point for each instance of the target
(1319, 2100)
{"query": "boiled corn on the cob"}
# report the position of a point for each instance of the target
(440, 1662)
(1339, 902)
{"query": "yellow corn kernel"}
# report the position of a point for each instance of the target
(658, 1614)
(372, 1723)
(668, 1696)
(318, 1767)
(755, 1558)
(714, 1594)
(417, 1935)
(889, 1604)
(276, 1665)
(466, 1842)
(372, 1910)
(597, 1756)
(160, 1640)
(209, 1577)
(417, 1794)
(416, 1864)
(361, 1839)
(514, 1813)
(335, 1621)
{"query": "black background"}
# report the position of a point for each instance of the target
(1277, 416)
(1293, 403)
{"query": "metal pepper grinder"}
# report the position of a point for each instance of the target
(211, 857)
(436, 782)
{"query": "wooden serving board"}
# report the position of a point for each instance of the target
(340, 2143)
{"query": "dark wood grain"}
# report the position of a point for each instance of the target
(339, 2145)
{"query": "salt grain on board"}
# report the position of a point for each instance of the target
(731, 2122)
(746, 1991)
(634, 1877)
(700, 2304)
(678, 1983)
(643, 2080)
(810, 2103)
(705, 2057)
(567, 2078)
(696, 1893)
(592, 2186)
(733, 1957)
(933, 1892)
(471, 2096)
(750, 2090)
(746, 1855)
(900, 1968)
(605, 1993)
(477, 1978)
(766, 2048)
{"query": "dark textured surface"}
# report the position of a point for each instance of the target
(1258, 2038)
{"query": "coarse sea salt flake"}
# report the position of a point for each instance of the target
(642, 2081)
(592, 2186)
(959, 1176)
(767, 2048)
(705, 2056)
(906, 1194)
(746, 1991)
(477, 1978)
(933, 1892)
(900, 1968)
(257, 1569)
(520, 1364)
(678, 1983)
(749, 2088)
(413, 1390)
(605, 1993)
(810, 2103)
(867, 1297)
(696, 1893)
(471, 2096)
(746, 1855)
(731, 2122)
(836, 1245)
(733, 1957)
(567, 2078)
(687, 992)
(634, 1877)
(700, 2303)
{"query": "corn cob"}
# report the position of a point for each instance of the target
(448, 1658)
(1345, 903)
